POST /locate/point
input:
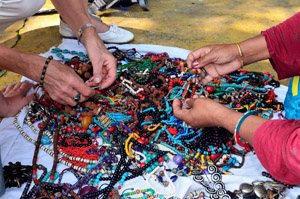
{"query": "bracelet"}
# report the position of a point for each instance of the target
(44, 70)
(237, 128)
(82, 29)
(240, 51)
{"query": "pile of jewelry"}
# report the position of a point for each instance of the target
(138, 132)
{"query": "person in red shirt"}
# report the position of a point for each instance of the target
(276, 142)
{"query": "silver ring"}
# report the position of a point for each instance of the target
(77, 97)
(204, 71)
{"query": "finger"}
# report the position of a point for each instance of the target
(195, 63)
(3, 89)
(83, 89)
(70, 101)
(110, 77)
(190, 102)
(30, 97)
(205, 60)
(23, 102)
(90, 82)
(83, 99)
(177, 108)
(25, 87)
(70, 97)
(196, 55)
(10, 87)
(207, 79)
(17, 84)
(190, 59)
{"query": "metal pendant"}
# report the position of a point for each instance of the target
(260, 191)
(246, 188)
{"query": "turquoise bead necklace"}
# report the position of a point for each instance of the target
(60, 54)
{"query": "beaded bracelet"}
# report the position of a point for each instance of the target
(237, 128)
(44, 70)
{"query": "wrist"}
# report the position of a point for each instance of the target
(239, 55)
(88, 34)
(83, 29)
(254, 49)
(227, 118)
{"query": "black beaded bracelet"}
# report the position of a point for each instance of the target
(44, 70)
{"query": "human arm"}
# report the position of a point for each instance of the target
(280, 44)
(225, 58)
(14, 97)
(61, 82)
(276, 142)
(75, 14)
(204, 112)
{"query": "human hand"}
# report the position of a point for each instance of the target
(216, 59)
(63, 84)
(13, 98)
(104, 63)
(197, 112)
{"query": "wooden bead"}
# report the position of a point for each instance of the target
(68, 109)
(79, 72)
(87, 75)
(73, 113)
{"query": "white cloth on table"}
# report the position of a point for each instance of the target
(14, 147)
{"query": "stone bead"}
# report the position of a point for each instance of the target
(86, 121)
(178, 159)
(88, 190)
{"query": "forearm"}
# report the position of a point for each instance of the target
(25, 64)
(229, 118)
(254, 49)
(73, 12)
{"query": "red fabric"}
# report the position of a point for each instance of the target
(277, 142)
(283, 42)
(277, 146)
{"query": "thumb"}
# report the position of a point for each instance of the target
(97, 78)
(178, 112)
(190, 102)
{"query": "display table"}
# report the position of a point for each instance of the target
(14, 147)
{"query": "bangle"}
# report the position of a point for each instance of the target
(238, 125)
(82, 29)
(240, 51)
(44, 70)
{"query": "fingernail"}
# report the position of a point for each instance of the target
(195, 63)
(97, 80)
(187, 101)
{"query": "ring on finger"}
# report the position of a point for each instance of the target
(204, 71)
(77, 97)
